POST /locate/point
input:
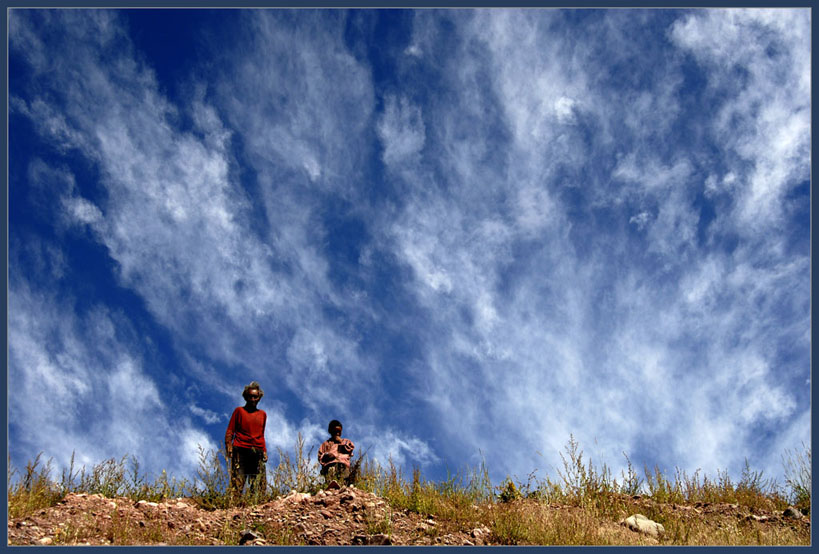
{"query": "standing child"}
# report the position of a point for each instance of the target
(245, 444)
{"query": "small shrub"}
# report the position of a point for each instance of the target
(508, 491)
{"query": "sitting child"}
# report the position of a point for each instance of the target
(334, 456)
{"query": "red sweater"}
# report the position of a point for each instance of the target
(246, 429)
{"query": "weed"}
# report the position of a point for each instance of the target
(34, 491)
(379, 525)
(508, 491)
(798, 476)
(295, 473)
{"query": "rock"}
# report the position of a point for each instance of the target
(294, 496)
(790, 511)
(641, 524)
(46, 540)
(247, 536)
(377, 539)
(480, 533)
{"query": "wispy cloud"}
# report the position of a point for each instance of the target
(760, 65)
(401, 129)
(578, 332)
(179, 224)
(79, 387)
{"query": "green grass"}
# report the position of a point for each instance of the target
(516, 511)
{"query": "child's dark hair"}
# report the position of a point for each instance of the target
(251, 386)
(333, 424)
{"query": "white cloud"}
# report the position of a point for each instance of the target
(83, 210)
(65, 400)
(176, 221)
(640, 219)
(765, 119)
(401, 130)
(281, 434)
(573, 333)
(565, 108)
(401, 450)
(209, 416)
(193, 444)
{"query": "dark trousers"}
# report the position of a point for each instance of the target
(247, 464)
(335, 472)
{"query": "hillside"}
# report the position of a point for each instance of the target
(353, 516)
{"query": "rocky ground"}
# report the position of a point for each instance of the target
(334, 517)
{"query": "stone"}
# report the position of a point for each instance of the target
(792, 512)
(641, 524)
(379, 539)
(297, 496)
(246, 536)
(480, 532)
(46, 540)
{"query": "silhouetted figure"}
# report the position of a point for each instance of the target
(245, 445)
(334, 456)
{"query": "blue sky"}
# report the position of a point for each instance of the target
(467, 234)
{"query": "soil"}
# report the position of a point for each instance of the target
(333, 517)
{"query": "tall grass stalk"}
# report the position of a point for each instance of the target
(798, 476)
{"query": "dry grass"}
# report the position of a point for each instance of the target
(582, 507)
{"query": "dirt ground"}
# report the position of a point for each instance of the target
(337, 517)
